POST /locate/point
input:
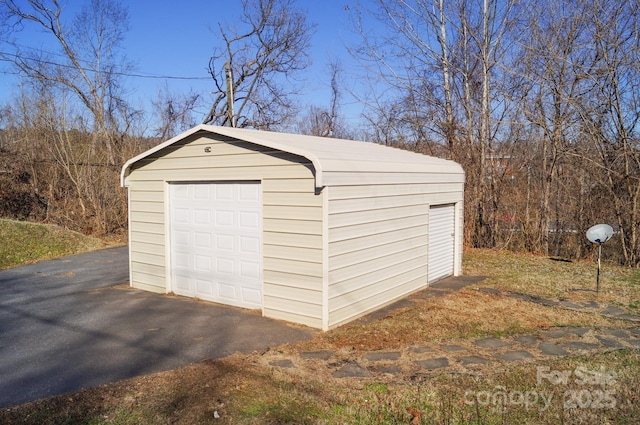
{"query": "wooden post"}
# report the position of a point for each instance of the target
(229, 77)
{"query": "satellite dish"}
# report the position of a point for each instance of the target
(600, 233)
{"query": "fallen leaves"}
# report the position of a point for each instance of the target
(415, 416)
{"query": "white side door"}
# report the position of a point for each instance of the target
(441, 241)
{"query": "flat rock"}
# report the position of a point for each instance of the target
(452, 347)
(352, 370)
(557, 333)
(591, 304)
(435, 363)
(612, 310)
(492, 343)
(523, 297)
(544, 301)
(526, 339)
(578, 331)
(618, 333)
(550, 349)
(569, 304)
(490, 291)
(584, 346)
(422, 350)
(609, 342)
(630, 317)
(376, 356)
(534, 299)
(285, 363)
(320, 355)
(471, 360)
(635, 332)
(633, 342)
(512, 356)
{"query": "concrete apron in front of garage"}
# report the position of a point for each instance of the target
(74, 322)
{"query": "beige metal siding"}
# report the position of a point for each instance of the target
(292, 218)
(378, 244)
(344, 223)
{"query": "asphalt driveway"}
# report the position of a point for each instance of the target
(72, 323)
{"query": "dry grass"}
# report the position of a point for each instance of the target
(553, 278)
(464, 314)
(244, 389)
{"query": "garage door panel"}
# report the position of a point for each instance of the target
(225, 218)
(205, 287)
(203, 240)
(224, 191)
(201, 217)
(202, 263)
(249, 270)
(249, 193)
(227, 292)
(202, 192)
(180, 215)
(224, 242)
(181, 260)
(216, 242)
(224, 266)
(180, 192)
(249, 245)
(183, 284)
(181, 237)
(249, 220)
(251, 296)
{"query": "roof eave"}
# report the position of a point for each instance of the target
(220, 130)
(124, 173)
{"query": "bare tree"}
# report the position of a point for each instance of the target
(90, 63)
(174, 112)
(326, 121)
(253, 72)
(74, 117)
(611, 115)
(557, 63)
(409, 61)
(440, 64)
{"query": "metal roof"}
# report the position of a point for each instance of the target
(336, 161)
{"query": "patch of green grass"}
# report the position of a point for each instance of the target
(24, 243)
(376, 388)
(278, 400)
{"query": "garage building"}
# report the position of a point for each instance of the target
(310, 230)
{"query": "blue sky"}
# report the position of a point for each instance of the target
(175, 39)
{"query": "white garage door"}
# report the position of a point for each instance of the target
(441, 241)
(216, 246)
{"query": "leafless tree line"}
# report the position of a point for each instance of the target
(539, 101)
